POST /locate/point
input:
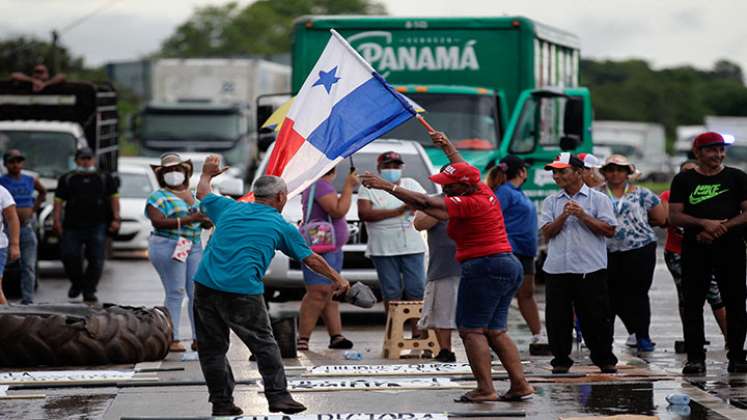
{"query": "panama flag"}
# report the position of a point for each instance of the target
(343, 105)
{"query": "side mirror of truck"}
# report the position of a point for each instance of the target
(263, 113)
(573, 124)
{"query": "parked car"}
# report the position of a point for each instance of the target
(284, 278)
(136, 182)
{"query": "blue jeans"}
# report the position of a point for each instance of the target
(28, 262)
(401, 276)
(177, 277)
(334, 259)
(93, 238)
(485, 292)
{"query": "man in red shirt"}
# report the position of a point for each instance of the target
(491, 274)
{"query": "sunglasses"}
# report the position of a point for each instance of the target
(15, 160)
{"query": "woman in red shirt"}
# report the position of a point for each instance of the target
(491, 274)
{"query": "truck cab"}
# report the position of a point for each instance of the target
(199, 127)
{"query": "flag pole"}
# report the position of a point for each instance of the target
(425, 124)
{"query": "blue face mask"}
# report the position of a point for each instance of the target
(391, 175)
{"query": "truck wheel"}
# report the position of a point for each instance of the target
(78, 335)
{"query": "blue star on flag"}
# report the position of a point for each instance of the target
(327, 79)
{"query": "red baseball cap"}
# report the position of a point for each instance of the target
(460, 172)
(709, 138)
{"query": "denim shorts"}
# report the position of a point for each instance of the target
(485, 292)
(401, 276)
(334, 259)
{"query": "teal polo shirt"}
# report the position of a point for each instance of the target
(243, 244)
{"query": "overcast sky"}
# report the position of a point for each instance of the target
(665, 32)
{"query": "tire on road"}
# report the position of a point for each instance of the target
(79, 335)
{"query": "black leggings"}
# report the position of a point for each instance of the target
(630, 276)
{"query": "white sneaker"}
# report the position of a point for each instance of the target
(632, 341)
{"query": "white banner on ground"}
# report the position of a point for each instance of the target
(3, 390)
(391, 370)
(368, 384)
(31, 377)
(352, 416)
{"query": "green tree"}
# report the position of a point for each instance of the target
(263, 27)
(23, 53)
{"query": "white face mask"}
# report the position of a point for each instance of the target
(173, 179)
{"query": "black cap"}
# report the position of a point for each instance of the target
(13, 154)
(512, 163)
(85, 152)
(389, 157)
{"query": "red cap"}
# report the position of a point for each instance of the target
(460, 172)
(709, 138)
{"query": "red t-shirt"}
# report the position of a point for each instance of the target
(674, 234)
(476, 224)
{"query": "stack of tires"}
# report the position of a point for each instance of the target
(80, 335)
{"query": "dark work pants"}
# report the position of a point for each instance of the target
(725, 261)
(588, 294)
(72, 245)
(630, 274)
(216, 314)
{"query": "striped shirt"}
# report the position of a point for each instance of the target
(171, 206)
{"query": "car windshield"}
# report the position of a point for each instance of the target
(134, 185)
(468, 120)
(736, 153)
(190, 126)
(415, 167)
(48, 153)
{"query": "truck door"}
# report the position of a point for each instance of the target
(546, 122)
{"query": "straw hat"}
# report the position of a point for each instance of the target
(171, 159)
(619, 160)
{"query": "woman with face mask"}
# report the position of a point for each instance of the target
(174, 247)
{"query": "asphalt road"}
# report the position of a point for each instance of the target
(179, 391)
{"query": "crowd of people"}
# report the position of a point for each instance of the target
(482, 245)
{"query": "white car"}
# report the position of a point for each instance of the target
(284, 278)
(137, 182)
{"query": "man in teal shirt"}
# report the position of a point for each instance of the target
(229, 289)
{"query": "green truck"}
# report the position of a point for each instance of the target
(495, 85)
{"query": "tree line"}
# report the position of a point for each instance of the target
(628, 90)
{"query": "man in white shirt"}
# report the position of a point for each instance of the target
(396, 248)
(9, 245)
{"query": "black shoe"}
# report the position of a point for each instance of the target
(445, 356)
(73, 293)
(287, 405)
(90, 297)
(695, 367)
(227, 409)
(340, 342)
(608, 369)
(560, 369)
(737, 366)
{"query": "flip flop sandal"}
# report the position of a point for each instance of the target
(302, 344)
(514, 397)
(340, 342)
(468, 398)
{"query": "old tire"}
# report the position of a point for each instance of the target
(79, 335)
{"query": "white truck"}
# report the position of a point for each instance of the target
(643, 143)
(735, 130)
(205, 105)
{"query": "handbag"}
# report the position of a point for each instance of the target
(318, 234)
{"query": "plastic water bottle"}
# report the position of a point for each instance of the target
(678, 399)
(353, 355)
